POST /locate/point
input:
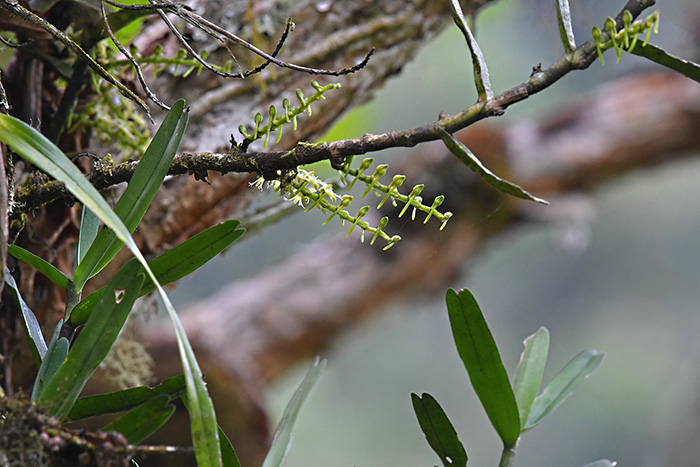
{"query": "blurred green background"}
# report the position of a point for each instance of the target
(633, 291)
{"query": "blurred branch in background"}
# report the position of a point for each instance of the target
(297, 309)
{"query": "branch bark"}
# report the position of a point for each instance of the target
(271, 164)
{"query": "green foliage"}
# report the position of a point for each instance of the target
(528, 375)
(140, 422)
(52, 360)
(37, 345)
(59, 393)
(138, 195)
(64, 367)
(41, 265)
(282, 439)
(563, 385)
(479, 352)
(511, 409)
(174, 264)
(566, 30)
(92, 406)
(64, 371)
(470, 160)
(439, 431)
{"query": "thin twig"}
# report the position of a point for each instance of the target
(288, 28)
(185, 44)
(14, 7)
(152, 6)
(269, 163)
(129, 57)
(219, 32)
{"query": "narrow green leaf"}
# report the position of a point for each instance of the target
(228, 455)
(566, 31)
(528, 375)
(438, 430)
(91, 406)
(479, 352)
(139, 193)
(53, 359)
(203, 426)
(601, 463)
(658, 55)
(175, 263)
(41, 265)
(38, 150)
(94, 342)
(470, 160)
(89, 226)
(140, 422)
(282, 440)
(32, 328)
(481, 71)
(193, 253)
(564, 384)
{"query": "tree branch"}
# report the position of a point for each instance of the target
(271, 164)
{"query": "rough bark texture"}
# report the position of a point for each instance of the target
(298, 308)
(329, 34)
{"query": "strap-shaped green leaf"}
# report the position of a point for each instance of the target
(139, 193)
(478, 351)
(481, 71)
(439, 431)
(94, 342)
(41, 265)
(89, 226)
(91, 406)
(658, 55)
(282, 439)
(38, 150)
(564, 384)
(228, 455)
(528, 375)
(140, 422)
(175, 263)
(470, 160)
(32, 328)
(56, 354)
(193, 253)
(566, 31)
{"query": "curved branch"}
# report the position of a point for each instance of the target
(17, 9)
(271, 164)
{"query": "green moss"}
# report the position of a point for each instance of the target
(20, 433)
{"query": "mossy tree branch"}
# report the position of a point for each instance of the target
(272, 164)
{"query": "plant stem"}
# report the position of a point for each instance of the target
(507, 457)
